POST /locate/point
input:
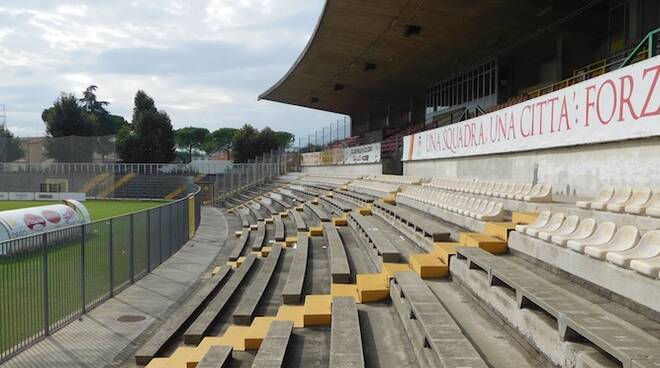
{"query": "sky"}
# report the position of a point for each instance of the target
(204, 62)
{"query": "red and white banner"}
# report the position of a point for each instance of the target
(623, 104)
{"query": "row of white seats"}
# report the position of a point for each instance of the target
(325, 180)
(466, 205)
(527, 192)
(398, 179)
(373, 187)
(603, 241)
(640, 201)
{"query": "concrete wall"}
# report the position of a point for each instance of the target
(579, 171)
(362, 169)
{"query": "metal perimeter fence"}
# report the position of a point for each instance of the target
(50, 279)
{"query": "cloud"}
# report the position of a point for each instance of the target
(204, 61)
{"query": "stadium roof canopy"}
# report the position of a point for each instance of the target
(384, 52)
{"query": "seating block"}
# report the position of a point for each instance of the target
(218, 356)
(483, 241)
(257, 332)
(345, 335)
(500, 230)
(317, 310)
(445, 250)
(273, 348)
(248, 304)
(428, 265)
(372, 287)
(293, 289)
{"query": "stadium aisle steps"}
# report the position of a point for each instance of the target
(293, 289)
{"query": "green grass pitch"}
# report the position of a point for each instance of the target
(98, 209)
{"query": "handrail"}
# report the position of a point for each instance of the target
(648, 42)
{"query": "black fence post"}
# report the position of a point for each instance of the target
(44, 245)
(148, 241)
(160, 235)
(82, 270)
(112, 262)
(131, 247)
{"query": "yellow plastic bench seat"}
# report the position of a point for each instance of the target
(337, 290)
(445, 250)
(500, 229)
(318, 310)
(293, 313)
(372, 287)
(428, 265)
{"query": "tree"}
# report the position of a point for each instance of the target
(90, 104)
(249, 143)
(191, 139)
(285, 139)
(66, 118)
(220, 140)
(149, 137)
(243, 144)
(10, 147)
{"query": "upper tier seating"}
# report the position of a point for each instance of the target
(625, 238)
(538, 193)
(374, 188)
(397, 179)
(318, 179)
(640, 201)
(466, 205)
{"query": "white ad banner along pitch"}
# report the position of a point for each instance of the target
(623, 104)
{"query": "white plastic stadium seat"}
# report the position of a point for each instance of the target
(625, 238)
(621, 195)
(526, 190)
(542, 195)
(494, 213)
(541, 220)
(604, 196)
(653, 206)
(603, 234)
(648, 247)
(553, 224)
(649, 267)
(570, 224)
(583, 231)
(638, 197)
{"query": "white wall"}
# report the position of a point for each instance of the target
(579, 170)
(360, 169)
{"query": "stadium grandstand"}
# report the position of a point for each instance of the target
(496, 204)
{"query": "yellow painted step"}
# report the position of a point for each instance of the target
(290, 240)
(269, 220)
(524, 217)
(337, 290)
(500, 229)
(389, 269)
(445, 250)
(300, 208)
(428, 265)
(293, 313)
(284, 214)
(372, 287)
(340, 221)
(318, 310)
(316, 230)
(315, 200)
(237, 263)
(231, 210)
(329, 194)
(258, 330)
(483, 241)
(344, 188)
(238, 233)
(179, 359)
(390, 198)
(254, 227)
(234, 336)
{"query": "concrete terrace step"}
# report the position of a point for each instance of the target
(197, 330)
(218, 356)
(345, 334)
(436, 338)
(339, 205)
(248, 304)
(293, 289)
(339, 267)
(418, 224)
(260, 237)
(239, 246)
(299, 220)
(575, 316)
(245, 221)
(280, 234)
(272, 351)
(381, 248)
(177, 321)
(318, 211)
